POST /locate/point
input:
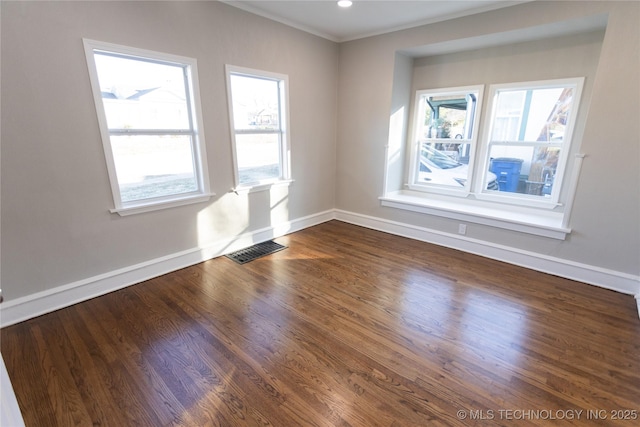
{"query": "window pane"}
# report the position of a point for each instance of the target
(524, 169)
(549, 114)
(153, 166)
(532, 115)
(448, 116)
(508, 116)
(443, 167)
(139, 94)
(258, 157)
(255, 103)
(528, 137)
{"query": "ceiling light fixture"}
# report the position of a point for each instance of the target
(345, 3)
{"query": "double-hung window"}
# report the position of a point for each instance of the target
(149, 115)
(528, 140)
(258, 114)
(523, 152)
(514, 174)
(444, 139)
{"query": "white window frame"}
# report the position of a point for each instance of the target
(546, 218)
(565, 148)
(202, 193)
(282, 132)
(417, 140)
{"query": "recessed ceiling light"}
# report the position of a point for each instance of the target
(345, 3)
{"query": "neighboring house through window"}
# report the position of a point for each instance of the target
(149, 114)
(529, 138)
(259, 117)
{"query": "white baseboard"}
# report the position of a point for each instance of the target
(18, 310)
(30, 306)
(10, 414)
(609, 279)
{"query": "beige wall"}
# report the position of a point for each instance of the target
(606, 214)
(56, 227)
(556, 58)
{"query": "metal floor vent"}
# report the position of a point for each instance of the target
(256, 251)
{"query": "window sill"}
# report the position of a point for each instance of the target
(261, 187)
(132, 209)
(525, 220)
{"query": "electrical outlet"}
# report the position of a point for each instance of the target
(462, 228)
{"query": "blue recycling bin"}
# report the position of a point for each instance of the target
(508, 172)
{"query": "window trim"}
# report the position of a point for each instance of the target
(541, 222)
(544, 223)
(198, 145)
(283, 131)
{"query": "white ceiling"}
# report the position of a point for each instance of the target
(366, 17)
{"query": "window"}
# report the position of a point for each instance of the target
(149, 116)
(258, 114)
(528, 139)
(524, 151)
(515, 176)
(444, 141)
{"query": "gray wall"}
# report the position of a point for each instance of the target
(55, 224)
(56, 228)
(606, 215)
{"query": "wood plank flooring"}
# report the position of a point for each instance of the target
(346, 327)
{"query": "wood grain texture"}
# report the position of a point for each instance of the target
(346, 327)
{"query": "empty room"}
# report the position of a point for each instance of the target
(322, 213)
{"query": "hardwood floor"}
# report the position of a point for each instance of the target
(346, 327)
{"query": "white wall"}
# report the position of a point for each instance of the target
(56, 225)
(605, 220)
